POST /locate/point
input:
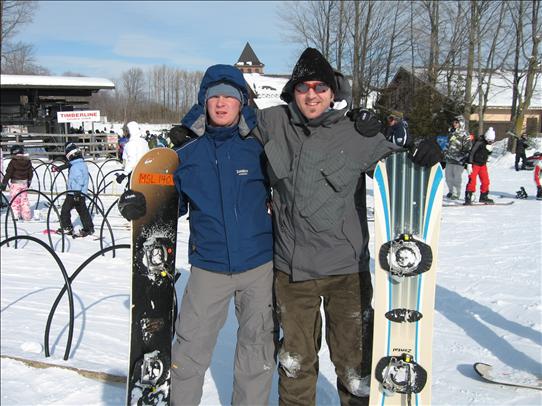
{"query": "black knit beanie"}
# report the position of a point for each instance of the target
(311, 65)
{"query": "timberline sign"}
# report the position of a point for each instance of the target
(83, 115)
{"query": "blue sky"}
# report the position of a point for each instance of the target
(105, 38)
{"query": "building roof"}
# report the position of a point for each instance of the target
(248, 57)
(59, 82)
(500, 90)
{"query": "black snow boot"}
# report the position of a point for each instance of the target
(468, 198)
(539, 193)
(484, 199)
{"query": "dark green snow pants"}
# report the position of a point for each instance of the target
(348, 316)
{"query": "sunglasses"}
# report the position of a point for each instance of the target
(319, 87)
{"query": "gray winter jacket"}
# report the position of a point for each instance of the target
(317, 173)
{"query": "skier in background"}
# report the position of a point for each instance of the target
(456, 156)
(134, 149)
(477, 167)
(537, 170)
(19, 172)
(521, 146)
(396, 131)
(76, 186)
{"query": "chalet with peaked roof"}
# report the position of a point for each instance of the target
(248, 61)
(263, 90)
(398, 96)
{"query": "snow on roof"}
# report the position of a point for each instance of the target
(500, 90)
(267, 89)
(13, 81)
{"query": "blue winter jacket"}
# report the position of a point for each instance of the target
(78, 176)
(221, 180)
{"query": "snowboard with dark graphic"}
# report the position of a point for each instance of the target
(153, 279)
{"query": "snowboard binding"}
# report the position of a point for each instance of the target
(150, 386)
(405, 256)
(157, 255)
(401, 374)
(403, 315)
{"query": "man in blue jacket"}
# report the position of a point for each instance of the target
(77, 186)
(221, 183)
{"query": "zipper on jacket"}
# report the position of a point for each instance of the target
(222, 209)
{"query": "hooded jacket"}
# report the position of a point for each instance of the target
(135, 148)
(19, 169)
(317, 173)
(78, 176)
(220, 180)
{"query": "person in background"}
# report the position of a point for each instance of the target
(19, 172)
(456, 156)
(396, 131)
(77, 186)
(134, 149)
(477, 167)
(521, 146)
(537, 170)
(221, 183)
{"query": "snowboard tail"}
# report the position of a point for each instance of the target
(154, 239)
(408, 201)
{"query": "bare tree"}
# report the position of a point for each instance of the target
(15, 14)
(527, 49)
(21, 61)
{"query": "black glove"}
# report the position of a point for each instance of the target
(132, 205)
(120, 177)
(3, 187)
(365, 122)
(180, 135)
(78, 197)
(427, 153)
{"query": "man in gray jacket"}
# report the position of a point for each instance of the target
(318, 158)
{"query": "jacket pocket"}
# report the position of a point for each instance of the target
(324, 208)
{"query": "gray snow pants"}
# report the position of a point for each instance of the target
(204, 310)
(454, 174)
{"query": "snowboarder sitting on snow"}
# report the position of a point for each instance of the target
(19, 172)
(76, 186)
(221, 181)
(477, 167)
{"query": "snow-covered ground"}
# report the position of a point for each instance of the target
(488, 308)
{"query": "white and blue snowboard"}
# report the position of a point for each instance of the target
(408, 201)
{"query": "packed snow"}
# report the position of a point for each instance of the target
(488, 306)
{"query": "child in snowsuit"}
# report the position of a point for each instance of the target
(19, 171)
(77, 184)
(477, 167)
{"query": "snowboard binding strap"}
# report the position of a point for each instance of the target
(405, 256)
(401, 374)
